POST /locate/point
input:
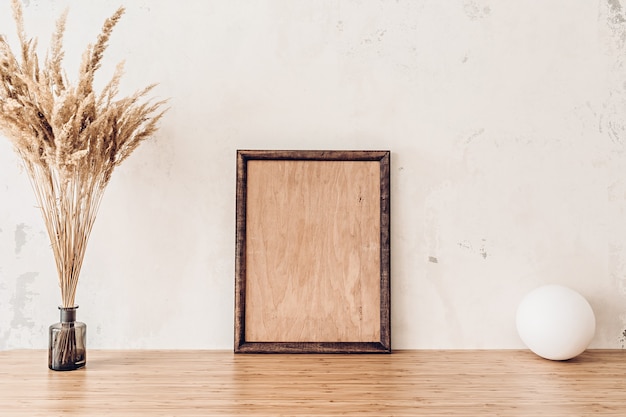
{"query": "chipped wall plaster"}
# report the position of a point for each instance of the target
(506, 126)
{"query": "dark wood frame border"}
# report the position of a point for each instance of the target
(243, 346)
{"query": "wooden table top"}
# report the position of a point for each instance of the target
(404, 383)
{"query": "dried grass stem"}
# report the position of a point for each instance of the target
(69, 138)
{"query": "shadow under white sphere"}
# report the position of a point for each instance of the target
(555, 322)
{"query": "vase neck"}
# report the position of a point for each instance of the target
(68, 314)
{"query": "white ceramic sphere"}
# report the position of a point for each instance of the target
(555, 322)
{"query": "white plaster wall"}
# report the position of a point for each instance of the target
(505, 120)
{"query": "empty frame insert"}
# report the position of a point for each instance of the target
(312, 252)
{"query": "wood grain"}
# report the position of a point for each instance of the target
(312, 260)
(405, 383)
(313, 251)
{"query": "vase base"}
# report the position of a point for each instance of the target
(79, 362)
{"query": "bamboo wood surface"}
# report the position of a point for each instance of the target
(405, 383)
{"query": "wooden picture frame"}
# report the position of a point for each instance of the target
(312, 267)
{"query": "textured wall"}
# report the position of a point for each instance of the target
(505, 120)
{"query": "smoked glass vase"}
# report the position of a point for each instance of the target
(66, 347)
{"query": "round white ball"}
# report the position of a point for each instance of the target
(555, 322)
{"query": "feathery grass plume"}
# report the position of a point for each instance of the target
(69, 137)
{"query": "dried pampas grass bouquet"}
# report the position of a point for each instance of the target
(70, 138)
